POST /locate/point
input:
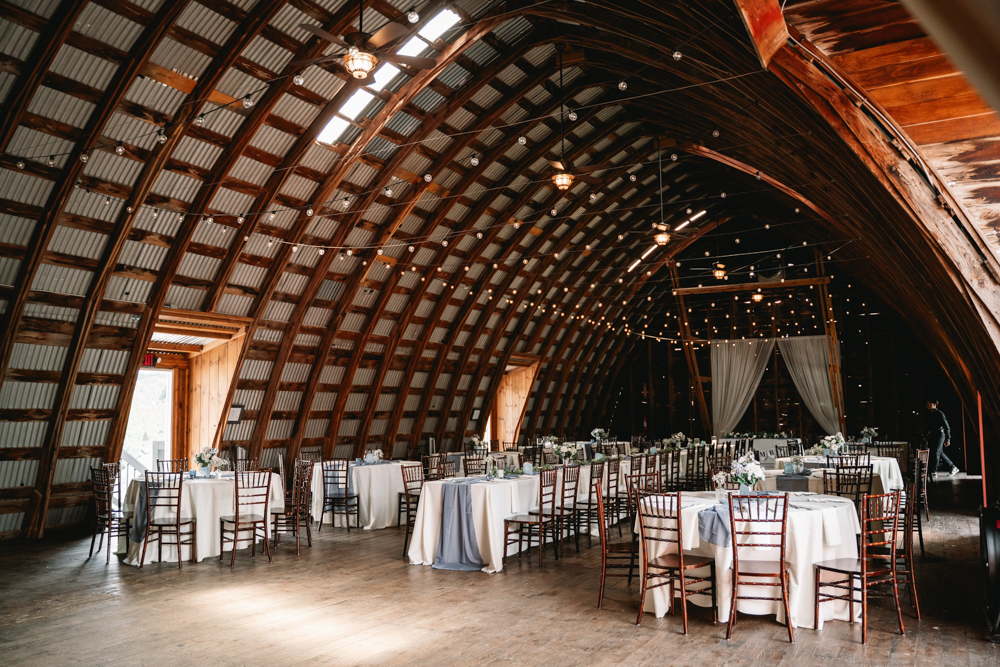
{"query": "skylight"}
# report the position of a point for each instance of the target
(438, 25)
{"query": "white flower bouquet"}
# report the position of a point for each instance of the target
(599, 434)
(565, 452)
(833, 442)
(477, 443)
(869, 432)
(747, 471)
(719, 479)
(209, 457)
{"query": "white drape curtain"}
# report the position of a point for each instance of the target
(737, 366)
(808, 361)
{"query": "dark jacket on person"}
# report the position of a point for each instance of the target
(935, 422)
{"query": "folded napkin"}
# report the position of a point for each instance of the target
(713, 525)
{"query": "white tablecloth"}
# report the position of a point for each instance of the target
(492, 502)
(205, 500)
(377, 488)
(815, 480)
(813, 535)
(885, 467)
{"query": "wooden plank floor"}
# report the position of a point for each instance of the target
(351, 600)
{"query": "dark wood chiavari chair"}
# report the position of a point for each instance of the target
(566, 506)
(849, 460)
(909, 513)
(636, 483)
(337, 496)
(615, 556)
(660, 524)
(430, 463)
(550, 458)
(115, 472)
(758, 522)
(413, 452)
(585, 511)
(615, 504)
(315, 457)
(539, 525)
(245, 465)
(109, 519)
(447, 469)
(848, 482)
(789, 449)
(892, 450)
(163, 492)
(717, 461)
(855, 447)
(253, 494)
(919, 499)
(295, 514)
(670, 470)
(172, 465)
(921, 465)
(409, 499)
(474, 465)
(279, 469)
(696, 478)
(877, 564)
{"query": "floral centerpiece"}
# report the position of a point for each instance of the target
(677, 439)
(549, 441)
(476, 443)
(746, 471)
(869, 433)
(599, 434)
(208, 459)
(760, 435)
(798, 465)
(566, 452)
(719, 481)
(833, 442)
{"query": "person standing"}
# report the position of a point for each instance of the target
(937, 433)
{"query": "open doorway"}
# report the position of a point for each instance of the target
(149, 432)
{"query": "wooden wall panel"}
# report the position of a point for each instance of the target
(512, 397)
(209, 378)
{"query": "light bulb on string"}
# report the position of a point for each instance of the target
(51, 161)
(161, 137)
(412, 16)
(347, 203)
(474, 160)
(240, 219)
(677, 55)
(572, 115)
(388, 191)
(622, 85)
(521, 139)
(20, 164)
(199, 120)
(247, 102)
(270, 216)
(298, 79)
(309, 211)
(83, 157)
(120, 148)
(321, 251)
(428, 178)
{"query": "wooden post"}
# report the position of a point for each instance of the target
(982, 446)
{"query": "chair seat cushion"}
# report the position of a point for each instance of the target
(673, 561)
(244, 518)
(761, 567)
(170, 521)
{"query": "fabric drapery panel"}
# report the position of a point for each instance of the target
(737, 367)
(808, 361)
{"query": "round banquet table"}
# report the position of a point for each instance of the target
(886, 467)
(819, 528)
(204, 499)
(377, 486)
(772, 479)
(492, 502)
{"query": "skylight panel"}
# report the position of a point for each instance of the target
(438, 25)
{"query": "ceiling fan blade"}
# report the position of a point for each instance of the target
(387, 34)
(412, 61)
(302, 64)
(596, 167)
(556, 164)
(323, 34)
(593, 180)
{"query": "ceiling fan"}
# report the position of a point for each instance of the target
(365, 49)
(566, 173)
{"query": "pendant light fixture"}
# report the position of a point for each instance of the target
(563, 180)
(662, 236)
(359, 63)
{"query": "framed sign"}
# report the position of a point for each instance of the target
(475, 414)
(235, 414)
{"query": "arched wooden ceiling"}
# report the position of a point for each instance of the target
(343, 350)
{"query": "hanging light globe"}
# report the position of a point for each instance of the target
(359, 64)
(720, 271)
(757, 297)
(662, 238)
(563, 180)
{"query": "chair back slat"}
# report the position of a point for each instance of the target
(570, 485)
(253, 490)
(446, 469)
(614, 470)
(103, 491)
(474, 465)
(660, 520)
(848, 481)
(172, 465)
(879, 532)
(758, 521)
(547, 492)
(163, 490)
(413, 479)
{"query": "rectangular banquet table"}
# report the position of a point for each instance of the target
(204, 499)
(819, 528)
(768, 446)
(491, 503)
(886, 467)
(377, 486)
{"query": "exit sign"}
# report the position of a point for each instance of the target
(149, 359)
